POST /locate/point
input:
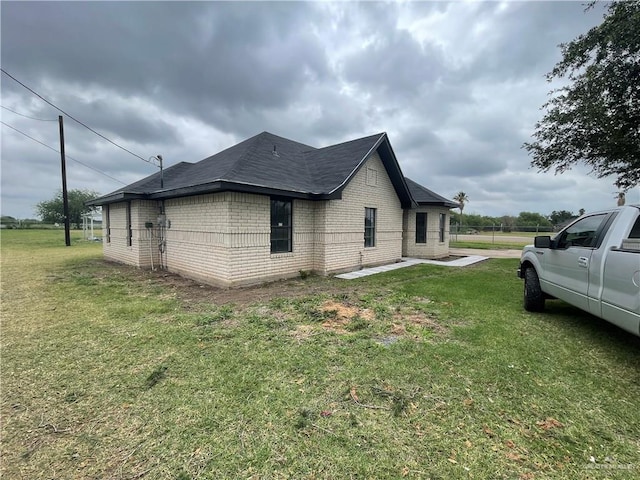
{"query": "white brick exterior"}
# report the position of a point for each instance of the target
(340, 223)
(224, 238)
(433, 248)
(117, 246)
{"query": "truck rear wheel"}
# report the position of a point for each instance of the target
(533, 296)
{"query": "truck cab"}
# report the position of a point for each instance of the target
(593, 264)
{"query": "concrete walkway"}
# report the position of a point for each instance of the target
(408, 262)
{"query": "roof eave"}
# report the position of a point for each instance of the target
(115, 198)
(227, 186)
(212, 187)
(408, 201)
(438, 204)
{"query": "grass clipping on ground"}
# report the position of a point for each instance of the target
(424, 372)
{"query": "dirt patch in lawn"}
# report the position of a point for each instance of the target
(422, 320)
(191, 292)
(342, 314)
(341, 311)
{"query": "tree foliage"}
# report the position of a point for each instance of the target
(557, 217)
(532, 219)
(595, 119)
(52, 211)
(462, 200)
(525, 221)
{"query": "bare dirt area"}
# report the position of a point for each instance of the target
(193, 292)
(337, 313)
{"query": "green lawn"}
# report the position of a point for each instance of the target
(423, 372)
(495, 241)
(497, 245)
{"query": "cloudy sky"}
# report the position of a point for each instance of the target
(457, 86)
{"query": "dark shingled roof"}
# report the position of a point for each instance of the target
(424, 196)
(273, 165)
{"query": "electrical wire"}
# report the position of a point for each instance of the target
(58, 151)
(72, 117)
(27, 116)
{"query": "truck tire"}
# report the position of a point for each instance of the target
(533, 296)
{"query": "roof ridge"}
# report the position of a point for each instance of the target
(267, 136)
(237, 164)
(354, 140)
(288, 140)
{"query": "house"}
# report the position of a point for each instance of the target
(269, 208)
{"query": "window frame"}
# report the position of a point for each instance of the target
(129, 226)
(370, 227)
(276, 238)
(421, 231)
(107, 222)
(442, 223)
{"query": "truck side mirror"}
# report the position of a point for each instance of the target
(542, 241)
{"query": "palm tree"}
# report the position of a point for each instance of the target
(461, 198)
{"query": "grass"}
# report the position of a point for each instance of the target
(494, 241)
(424, 372)
(497, 245)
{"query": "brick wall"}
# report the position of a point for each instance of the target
(197, 237)
(116, 245)
(145, 239)
(433, 248)
(341, 235)
(224, 238)
(250, 254)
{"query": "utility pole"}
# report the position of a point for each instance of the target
(65, 198)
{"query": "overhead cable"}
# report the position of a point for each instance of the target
(27, 116)
(72, 117)
(58, 151)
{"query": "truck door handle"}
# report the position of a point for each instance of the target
(583, 262)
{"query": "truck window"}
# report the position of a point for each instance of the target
(582, 233)
(635, 230)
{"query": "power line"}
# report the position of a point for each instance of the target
(72, 117)
(27, 116)
(58, 151)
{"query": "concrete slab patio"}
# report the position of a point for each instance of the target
(408, 262)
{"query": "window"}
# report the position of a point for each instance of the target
(369, 227)
(129, 227)
(635, 230)
(421, 227)
(281, 226)
(443, 222)
(107, 223)
(583, 233)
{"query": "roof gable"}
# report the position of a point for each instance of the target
(333, 166)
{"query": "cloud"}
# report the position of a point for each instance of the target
(457, 86)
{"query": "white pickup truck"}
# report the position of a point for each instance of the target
(593, 264)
